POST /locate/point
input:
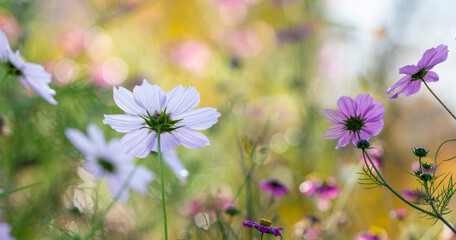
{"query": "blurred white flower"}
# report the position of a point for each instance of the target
(29, 74)
(5, 232)
(107, 161)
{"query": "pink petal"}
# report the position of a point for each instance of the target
(347, 106)
(333, 116)
(431, 77)
(433, 57)
(344, 139)
(333, 131)
(401, 83)
(409, 70)
(412, 88)
(365, 104)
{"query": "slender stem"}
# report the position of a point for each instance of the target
(162, 183)
(438, 99)
(392, 190)
(437, 213)
(4, 77)
(261, 238)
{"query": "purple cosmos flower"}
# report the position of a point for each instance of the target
(415, 195)
(374, 233)
(360, 116)
(411, 83)
(5, 232)
(29, 74)
(274, 187)
(107, 161)
(263, 227)
(325, 191)
(144, 107)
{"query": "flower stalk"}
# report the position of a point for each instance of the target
(162, 183)
(438, 99)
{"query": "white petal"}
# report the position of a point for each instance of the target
(42, 89)
(141, 178)
(123, 122)
(152, 98)
(191, 138)
(176, 166)
(4, 46)
(180, 99)
(115, 184)
(81, 142)
(168, 142)
(139, 143)
(199, 119)
(124, 99)
(96, 136)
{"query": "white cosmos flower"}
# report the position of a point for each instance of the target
(5, 232)
(107, 161)
(149, 102)
(29, 74)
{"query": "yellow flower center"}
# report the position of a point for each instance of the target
(265, 222)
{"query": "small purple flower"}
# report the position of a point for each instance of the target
(274, 187)
(411, 83)
(360, 116)
(29, 74)
(415, 195)
(374, 233)
(106, 160)
(264, 226)
(5, 232)
(325, 191)
(149, 102)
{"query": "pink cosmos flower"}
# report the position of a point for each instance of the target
(376, 155)
(398, 214)
(274, 187)
(193, 56)
(360, 116)
(146, 104)
(29, 74)
(106, 160)
(325, 191)
(411, 83)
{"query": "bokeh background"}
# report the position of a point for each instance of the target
(269, 66)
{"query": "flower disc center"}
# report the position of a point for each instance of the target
(265, 222)
(354, 124)
(419, 75)
(106, 165)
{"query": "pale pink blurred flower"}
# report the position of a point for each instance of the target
(398, 214)
(120, 218)
(73, 42)
(11, 28)
(193, 56)
(213, 205)
(376, 155)
(447, 234)
(5, 232)
(232, 12)
(243, 43)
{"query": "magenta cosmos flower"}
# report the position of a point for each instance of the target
(264, 227)
(149, 105)
(411, 83)
(274, 187)
(29, 74)
(360, 116)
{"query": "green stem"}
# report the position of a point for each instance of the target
(437, 213)
(261, 236)
(438, 99)
(392, 190)
(162, 183)
(4, 77)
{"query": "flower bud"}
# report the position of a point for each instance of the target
(426, 177)
(363, 144)
(420, 152)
